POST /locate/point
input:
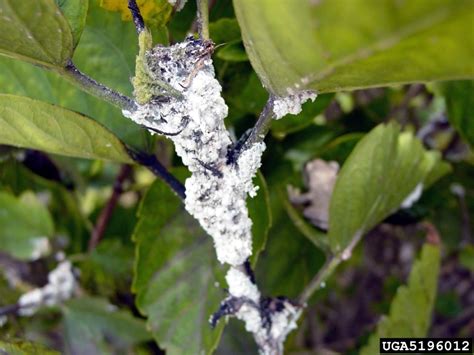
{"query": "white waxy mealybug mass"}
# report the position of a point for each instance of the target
(217, 190)
(291, 104)
(60, 287)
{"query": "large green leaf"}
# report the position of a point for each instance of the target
(107, 49)
(460, 106)
(175, 275)
(108, 268)
(25, 226)
(410, 311)
(34, 124)
(381, 172)
(35, 31)
(106, 52)
(339, 45)
(20, 78)
(75, 12)
(94, 326)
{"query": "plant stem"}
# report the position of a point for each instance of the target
(328, 268)
(261, 128)
(203, 18)
(257, 134)
(10, 309)
(152, 163)
(137, 16)
(333, 261)
(315, 284)
(95, 88)
(108, 209)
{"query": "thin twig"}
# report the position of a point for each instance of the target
(261, 128)
(328, 268)
(152, 163)
(10, 309)
(137, 16)
(97, 89)
(257, 134)
(106, 213)
(203, 18)
(320, 278)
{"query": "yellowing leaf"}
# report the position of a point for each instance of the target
(156, 13)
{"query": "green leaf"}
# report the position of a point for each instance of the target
(260, 214)
(22, 347)
(34, 31)
(23, 79)
(466, 257)
(290, 260)
(108, 268)
(75, 12)
(340, 45)
(94, 326)
(381, 172)
(460, 105)
(249, 98)
(25, 226)
(307, 144)
(175, 275)
(107, 49)
(34, 124)
(410, 311)
(233, 52)
(224, 30)
(106, 52)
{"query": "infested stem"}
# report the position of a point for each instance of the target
(203, 18)
(97, 89)
(221, 173)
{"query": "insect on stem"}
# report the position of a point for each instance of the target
(184, 121)
(171, 134)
